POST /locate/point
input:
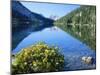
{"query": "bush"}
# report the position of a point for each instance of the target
(38, 58)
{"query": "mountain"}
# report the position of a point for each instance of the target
(23, 18)
(24, 21)
(80, 23)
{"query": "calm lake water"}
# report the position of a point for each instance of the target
(72, 48)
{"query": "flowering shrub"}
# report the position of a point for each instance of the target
(38, 58)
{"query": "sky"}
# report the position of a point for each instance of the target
(50, 9)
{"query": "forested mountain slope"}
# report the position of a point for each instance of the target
(80, 23)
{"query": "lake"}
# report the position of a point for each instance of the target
(72, 49)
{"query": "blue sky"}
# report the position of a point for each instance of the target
(48, 9)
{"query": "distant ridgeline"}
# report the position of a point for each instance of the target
(24, 21)
(81, 23)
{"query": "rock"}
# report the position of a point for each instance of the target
(87, 59)
(83, 58)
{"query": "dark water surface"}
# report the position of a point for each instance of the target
(72, 48)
